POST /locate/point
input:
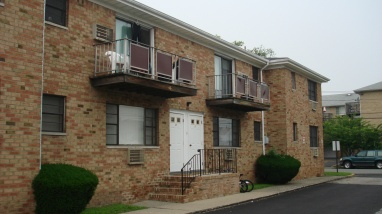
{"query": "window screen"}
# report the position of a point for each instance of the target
(55, 11)
(52, 113)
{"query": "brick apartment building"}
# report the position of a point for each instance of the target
(371, 103)
(340, 104)
(132, 94)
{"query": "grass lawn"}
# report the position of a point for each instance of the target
(259, 186)
(112, 209)
(337, 174)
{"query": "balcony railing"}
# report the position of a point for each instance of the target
(239, 86)
(238, 92)
(127, 57)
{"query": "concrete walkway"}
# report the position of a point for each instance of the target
(156, 207)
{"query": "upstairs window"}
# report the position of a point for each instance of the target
(293, 77)
(312, 89)
(56, 11)
(129, 125)
(256, 74)
(313, 136)
(132, 31)
(53, 113)
(257, 131)
(226, 132)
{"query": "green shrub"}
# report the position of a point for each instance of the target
(63, 189)
(276, 169)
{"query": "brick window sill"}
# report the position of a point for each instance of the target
(132, 147)
(54, 133)
(56, 25)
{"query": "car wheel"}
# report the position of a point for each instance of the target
(347, 165)
(379, 164)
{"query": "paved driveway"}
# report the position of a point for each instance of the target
(358, 194)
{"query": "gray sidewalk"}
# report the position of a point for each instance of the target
(156, 207)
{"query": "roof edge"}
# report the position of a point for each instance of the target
(296, 67)
(169, 19)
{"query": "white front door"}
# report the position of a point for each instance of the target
(195, 133)
(186, 137)
(176, 141)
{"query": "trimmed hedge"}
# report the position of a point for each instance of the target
(63, 189)
(276, 169)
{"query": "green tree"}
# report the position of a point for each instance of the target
(238, 43)
(353, 133)
(261, 50)
(264, 52)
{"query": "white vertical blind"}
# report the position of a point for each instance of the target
(131, 125)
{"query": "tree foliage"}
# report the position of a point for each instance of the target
(261, 50)
(353, 133)
(264, 52)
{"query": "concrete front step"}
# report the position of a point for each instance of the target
(171, 190)
(168, 190)
(176, 184)
(168, 197)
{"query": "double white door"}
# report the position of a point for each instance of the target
(186, 137)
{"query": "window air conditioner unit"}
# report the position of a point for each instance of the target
(135, 156)
(228, 155)
(102, 33)
(315, 152)
(314, 105)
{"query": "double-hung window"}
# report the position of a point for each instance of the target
(257, 131)
(226, 132)
(256, 73)
(313, 136)
(293, 78)
(295, 132)
(129, 125)
(56, 11)
(312, 89)
(53, 113)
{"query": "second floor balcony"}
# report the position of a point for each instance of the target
(128, 66)
(237, 92)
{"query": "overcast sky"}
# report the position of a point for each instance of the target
(340, 39)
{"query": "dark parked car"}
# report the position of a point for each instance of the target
(363, 158)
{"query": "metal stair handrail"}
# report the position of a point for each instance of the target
(208, 161)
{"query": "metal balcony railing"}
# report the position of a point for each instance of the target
(129, 57)
(237, 86)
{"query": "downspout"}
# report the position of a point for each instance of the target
(42, 82)
(262, 112)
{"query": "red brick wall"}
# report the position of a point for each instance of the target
(290, 106)
(68, 63)
(20, 88)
